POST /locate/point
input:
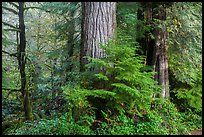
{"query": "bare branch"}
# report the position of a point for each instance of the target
(11, 10)
(11, 89)
(48, 66)
(7, 24)
(10, 54)
(14, 4)
(12, 30)
(26, 8)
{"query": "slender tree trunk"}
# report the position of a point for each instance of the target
(22, 62)
(70, 47)
(71, 39)
(98, 25)
(53, 75)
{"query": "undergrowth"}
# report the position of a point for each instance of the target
(122, 106)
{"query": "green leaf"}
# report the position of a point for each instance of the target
(101, 76)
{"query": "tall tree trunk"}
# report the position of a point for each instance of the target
(21, 63)
(160, 51)
(98, 24)
(155, 50)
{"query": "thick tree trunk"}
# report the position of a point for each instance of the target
(98, 25)
(22, 62)
(156, 51)
(147, 43)
(160, 51)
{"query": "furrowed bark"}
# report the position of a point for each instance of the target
(98, 26)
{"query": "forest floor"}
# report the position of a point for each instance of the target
(196, 132)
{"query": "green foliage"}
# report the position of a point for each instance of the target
(184, 53)
(123, 74)
(193, 97)
(6, 41)
(152, 127)
(77, 101)
(10, 80)
(57, 126)
(164, 119)
(121, 78)
(191, 120)
(170, 119)
(10, 107)
(185, 40)
(78, 94)
(127, 17)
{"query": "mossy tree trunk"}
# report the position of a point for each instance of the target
(22, 62)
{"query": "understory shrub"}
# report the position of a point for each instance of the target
(58, 126)
(167, 116)
(190, 98)
(191, 120)
(122, 77)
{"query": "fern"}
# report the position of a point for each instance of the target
(193, 97)
(124, 72)
(101, 76)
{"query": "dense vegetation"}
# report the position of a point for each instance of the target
(45, 91)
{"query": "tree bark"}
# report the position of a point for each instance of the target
(160, 51)
(156, 54)
(22, 62)
(98, 25)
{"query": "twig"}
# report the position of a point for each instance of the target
(10, 54)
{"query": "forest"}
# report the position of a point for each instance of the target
(101, 68)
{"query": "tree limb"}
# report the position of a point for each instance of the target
(7, 24)
(9, 9)
(11, 89)
(12, 30)
(26, 8)
(10, 54)
(14, 4)
(48, 66)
